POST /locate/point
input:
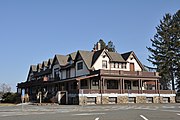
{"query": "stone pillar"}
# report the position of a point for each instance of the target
(98, 100)
(172, 99)
(82, 100)
(105, 100)
(156, 99)
(122, 99)
(141, 99)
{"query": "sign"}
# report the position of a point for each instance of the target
(22, 95)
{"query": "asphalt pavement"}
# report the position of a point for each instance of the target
(91, 112)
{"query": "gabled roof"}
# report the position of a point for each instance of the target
(39, 66)
(44, 64)
(115, 57)
(50, 61)
(33, 68)
(73, 55)
(127, 55)
(96, 56)
(86, 56)
(62, 59)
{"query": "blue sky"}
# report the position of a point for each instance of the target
(35, 30)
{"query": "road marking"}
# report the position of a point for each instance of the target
(90, 114)
(168, 106)
(178, 114)
(143, 117)
(97, 119)
(171, 110)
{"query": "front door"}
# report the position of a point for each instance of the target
(63, 97)
(131, 66)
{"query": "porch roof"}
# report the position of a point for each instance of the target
(86, 77)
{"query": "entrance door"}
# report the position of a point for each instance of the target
(131, 66)
(63, 97)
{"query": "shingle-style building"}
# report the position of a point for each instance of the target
(94, 77)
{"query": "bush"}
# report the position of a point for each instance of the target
(10, 98)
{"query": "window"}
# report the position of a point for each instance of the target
(104, 64)
(112, 100)
(166, 100)
(95, 82)
(117, 65)
(112, 84)
(149, 99)
(112, 65)
(132, 100)
(123, 65)
(56, 73)
(68, 73)
(91, 100)
(135, 83)
(79, 65)
(84, 83)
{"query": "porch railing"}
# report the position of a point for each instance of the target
(117, 91)
(129, 73)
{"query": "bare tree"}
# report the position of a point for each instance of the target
(4, 88)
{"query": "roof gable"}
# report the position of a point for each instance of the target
(128, 54)
(44, 64)
(115, 57)
(61, 59)
(86, 57)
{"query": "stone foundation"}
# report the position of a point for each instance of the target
(172, 100)
(156, 99)
(141, 99)
(124, 99)
(83, 100)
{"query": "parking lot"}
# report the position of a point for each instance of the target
(96, 112)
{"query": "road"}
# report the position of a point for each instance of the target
(98, 112)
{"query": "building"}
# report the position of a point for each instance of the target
(94, 77)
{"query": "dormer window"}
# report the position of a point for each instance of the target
(123, 65)
(131, 58)
(79, 65)
(104, 64)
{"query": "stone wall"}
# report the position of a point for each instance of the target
(82, 100)
(172, 99)
(156, 99)
(141, 99)
(98, 100)
(122, 99)
(105, 100)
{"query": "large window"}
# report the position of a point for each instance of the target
(95, 82)
(68, 73)
(123, 65)
(112, 84)
(84, 83)
(79, 65)
(56, 73)
(104, 64)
